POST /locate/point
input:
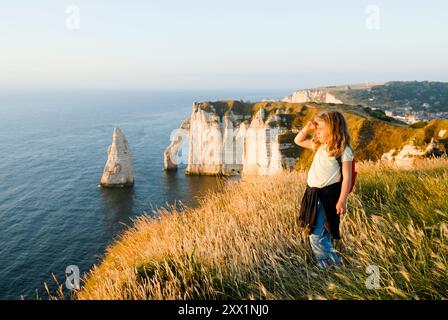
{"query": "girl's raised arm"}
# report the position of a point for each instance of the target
(301, 139)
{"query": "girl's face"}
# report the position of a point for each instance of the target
(322, 131)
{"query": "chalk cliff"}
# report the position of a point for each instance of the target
(319, 95)
(118, 171)
(225, 139)
(404, 158)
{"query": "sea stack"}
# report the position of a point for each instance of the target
(170, 156)
(118, 171)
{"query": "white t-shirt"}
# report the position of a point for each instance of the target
(325, 170)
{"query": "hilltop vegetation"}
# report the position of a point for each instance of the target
(398, 94)
(244, 243)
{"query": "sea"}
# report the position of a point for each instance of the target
(53, 148)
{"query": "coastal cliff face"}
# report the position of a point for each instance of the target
(319, 95)
(177, 138)
(232, 139)
(241, 138)
(235, 143)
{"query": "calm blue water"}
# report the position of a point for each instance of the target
(53, 150)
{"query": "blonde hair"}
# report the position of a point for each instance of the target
(339, 135)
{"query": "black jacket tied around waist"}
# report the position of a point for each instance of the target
(328, 196)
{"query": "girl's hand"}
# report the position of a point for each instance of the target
(309, 126)
(341, 208)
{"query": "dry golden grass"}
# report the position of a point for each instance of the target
(244, 243)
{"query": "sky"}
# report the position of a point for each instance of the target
(198, 44)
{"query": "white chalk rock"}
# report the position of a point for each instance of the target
(118, 171)
(170, 156)
(320, 95)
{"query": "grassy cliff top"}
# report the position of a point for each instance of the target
(244, 243)
(238, 107)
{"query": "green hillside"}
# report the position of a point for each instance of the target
(397, 94)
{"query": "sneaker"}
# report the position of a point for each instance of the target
(325, 263)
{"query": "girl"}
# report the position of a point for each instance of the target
(325, 197)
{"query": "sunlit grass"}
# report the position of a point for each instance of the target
(244, 243)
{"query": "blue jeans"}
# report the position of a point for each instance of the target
(321, 241)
